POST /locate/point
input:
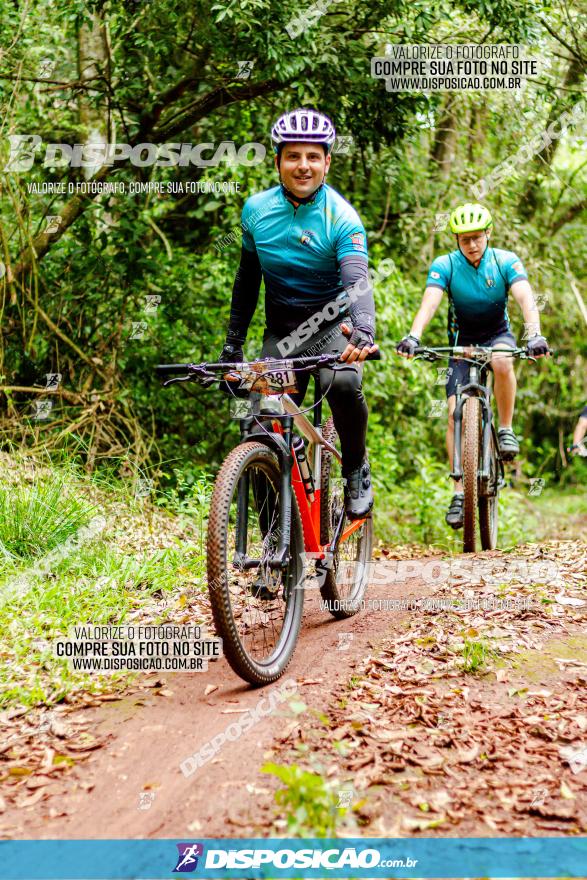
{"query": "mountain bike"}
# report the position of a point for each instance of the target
(476, 458)
(261, 534)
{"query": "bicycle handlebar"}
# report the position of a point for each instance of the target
(468, 352)
(293, 363)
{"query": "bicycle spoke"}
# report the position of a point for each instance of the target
(344, 585)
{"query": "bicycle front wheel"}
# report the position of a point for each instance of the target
(257, 608)
(488, 507)
(343, 586)
(471, 439)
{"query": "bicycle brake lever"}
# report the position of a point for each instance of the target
(193, 376)
(177, 379)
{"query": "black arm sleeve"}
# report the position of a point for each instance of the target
(355, 279)
(245, 296)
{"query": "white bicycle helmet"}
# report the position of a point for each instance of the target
(304, 126)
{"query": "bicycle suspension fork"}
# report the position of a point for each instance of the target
(472, 389)
(281, 444)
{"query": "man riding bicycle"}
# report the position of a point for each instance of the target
(478, 279)
(310, 247)
(578, 447)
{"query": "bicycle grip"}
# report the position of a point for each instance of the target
(375, 356)
(171, 369)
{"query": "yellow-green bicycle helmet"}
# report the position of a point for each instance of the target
(470, 218)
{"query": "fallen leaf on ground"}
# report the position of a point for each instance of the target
(569, 600)
(38, 781)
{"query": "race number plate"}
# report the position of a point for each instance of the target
(278, 377)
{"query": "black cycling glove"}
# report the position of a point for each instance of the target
(231, 354)
(580, 447)
(408, 345)
(361, 337)
(537, 346)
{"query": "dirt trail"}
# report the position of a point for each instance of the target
(148, 736)
(133, 787)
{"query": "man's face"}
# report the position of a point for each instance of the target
(473, 245)
(302, 167)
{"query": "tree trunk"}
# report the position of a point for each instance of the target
(533, 197)
(445, 141)
(94, 68)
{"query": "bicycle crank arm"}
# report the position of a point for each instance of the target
(333, 546)
(327, 562)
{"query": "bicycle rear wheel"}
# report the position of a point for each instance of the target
(343, 586)
(471, 440)
(488, 506)
(257, 609)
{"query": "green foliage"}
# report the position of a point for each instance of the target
(476, 654)
(308, 801)
(37, 517)
(93, 281)
(55, 574)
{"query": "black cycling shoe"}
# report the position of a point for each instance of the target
(358, 492)
(455, 514)
(508, 444)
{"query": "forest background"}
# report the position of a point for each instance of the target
(99, 289)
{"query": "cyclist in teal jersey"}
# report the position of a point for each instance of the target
(478, 279)
(309, 246)
(578, 447)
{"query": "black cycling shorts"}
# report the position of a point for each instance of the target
(583, 413)
(458, 370)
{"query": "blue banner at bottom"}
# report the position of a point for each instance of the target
(371, 857)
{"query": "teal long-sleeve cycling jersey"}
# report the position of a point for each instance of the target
(308, 256)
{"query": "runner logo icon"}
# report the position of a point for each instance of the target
(187, 860)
